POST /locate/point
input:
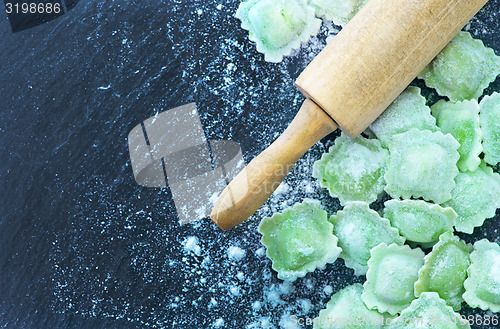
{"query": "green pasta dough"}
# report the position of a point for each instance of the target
(299, 240)
(353, 169)
(419, 221)
(461, 120)
(475, 197)
(489, 118)
(392, 272)
(463, 69)
(278, 26)
(429, 311)
(346, 310)
(406, 112)
(359, 229)
(422, 164)
(338, 11)
(482, 287)
(445, 270)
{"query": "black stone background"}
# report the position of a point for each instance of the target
(81, 244)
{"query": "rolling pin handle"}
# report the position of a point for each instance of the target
(258, 180)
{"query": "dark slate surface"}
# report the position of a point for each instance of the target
(81, 245)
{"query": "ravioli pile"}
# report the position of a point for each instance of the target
(436, 163)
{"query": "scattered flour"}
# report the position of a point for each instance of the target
(328, 290)
(310, 187)
(236, 253)
(305, 305)
(261, 323)
(261, 252)
(282, 189)
(273, 296)
(286, 321)
(235, 291)
(219, 323)
(286, 287)
(191, 245)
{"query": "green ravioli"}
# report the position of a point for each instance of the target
(346, 310)
(359, 229)
(392, 272)
(463, 69)
(445, 270)
(461, 120)
(482, 287)
(278, 26)
(489, 118)
(419, 221)
(422, 164)
(338, 11)
(353, 169)
(299, 240)
(429, 311)
(475, 197)
(408, 111)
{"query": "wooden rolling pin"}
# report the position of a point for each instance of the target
(348, 85)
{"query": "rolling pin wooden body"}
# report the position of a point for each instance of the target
(349, 84)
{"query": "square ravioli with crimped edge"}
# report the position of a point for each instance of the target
(338, 11)
(445, 270)
(345, 305)
(359, 229)
(429, 311)
(392, 272)
(463, 69)
(489, 118)
(353, 169)
(475, 197)
(299, 240)
(408, 111)
(461, 120)
(419, 221)
(482, 287)
(278, 26)
(422, 164)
